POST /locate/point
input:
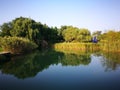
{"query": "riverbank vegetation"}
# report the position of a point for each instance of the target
(17, 45)
(25, 34)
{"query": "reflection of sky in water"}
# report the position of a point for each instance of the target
(58, 76)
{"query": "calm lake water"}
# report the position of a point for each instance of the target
(52, 70)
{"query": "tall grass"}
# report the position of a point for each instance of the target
(82, 47)
(108, 46)
(91, 47)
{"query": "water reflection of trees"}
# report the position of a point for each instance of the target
(29, 65)
(3, 59)
(74, 59)
(111, 61)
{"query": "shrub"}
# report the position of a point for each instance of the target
(16, 44)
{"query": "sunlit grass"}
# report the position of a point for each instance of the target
(88, 47)
(76, 47)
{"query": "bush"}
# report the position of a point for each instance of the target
(16, 45)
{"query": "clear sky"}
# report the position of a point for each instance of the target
(90, 14)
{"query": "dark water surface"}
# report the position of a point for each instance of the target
(51, 70)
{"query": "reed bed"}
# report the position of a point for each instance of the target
(88, 47)
(110, 46)
(77, 47)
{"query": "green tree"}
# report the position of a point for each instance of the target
(83, 35)
(5, 29)
(60, 33)
(49, 34)
(112, 36)
(70, 33)
(23, 27)
(26, 27)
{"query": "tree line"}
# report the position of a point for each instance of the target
(37, 32)
(28, 28)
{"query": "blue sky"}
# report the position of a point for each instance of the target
(91, 14)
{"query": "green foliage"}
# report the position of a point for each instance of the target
(27, 28)
(23, 27)
(70, 34)
(74, 34)
(30, 29)
(6, 27)
(60, 33)
(111, 41)
(83, 35)
(1, 49)
(112, 36)
(37, 32)
(16, 44)
(50, 34)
